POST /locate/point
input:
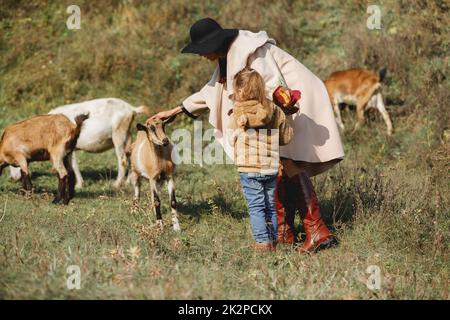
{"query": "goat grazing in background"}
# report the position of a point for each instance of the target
(42, 138)
(151, 159)
(358, 87)
(108, 127)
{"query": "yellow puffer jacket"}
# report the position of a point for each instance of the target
(256, 132)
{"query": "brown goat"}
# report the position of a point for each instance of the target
(42, 138)
(151, 158)
(358, 87)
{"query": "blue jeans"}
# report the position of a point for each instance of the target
(259, 191)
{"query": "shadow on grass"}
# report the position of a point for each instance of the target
(340, 209)
(51, 186)
(335, 211)
(51, 192)
(366, 194)
(216, 204)
(82, 194)
(88, 174)
(39, 174)
(98, 175)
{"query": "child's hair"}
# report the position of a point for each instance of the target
(252, 85)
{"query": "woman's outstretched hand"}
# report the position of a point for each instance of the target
(166, 114)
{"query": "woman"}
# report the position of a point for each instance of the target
(316, 145)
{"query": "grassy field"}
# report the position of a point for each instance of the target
(387, 201)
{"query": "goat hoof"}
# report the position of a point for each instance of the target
(56, 201)
(176, 227)
(135, 206)
(26, 193)
(117, 184)
(159, 223)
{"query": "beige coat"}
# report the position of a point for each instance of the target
(316, 140)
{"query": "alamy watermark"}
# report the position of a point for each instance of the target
(74, 279)
(251, 147)
(374, 280)
(74, 20)
(374, 20)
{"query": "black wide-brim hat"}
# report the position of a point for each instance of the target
(207, 36)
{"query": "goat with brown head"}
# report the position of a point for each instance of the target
(151, 158)
(155, 129)
(42, 138)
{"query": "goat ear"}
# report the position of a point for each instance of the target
(169, 120)
(141, 127)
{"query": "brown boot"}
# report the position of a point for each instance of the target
(263, 246)
(317, 234)
(285, 211)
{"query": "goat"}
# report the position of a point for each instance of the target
(108, 127)
(42, 138)
(358, 87)
(151, 158)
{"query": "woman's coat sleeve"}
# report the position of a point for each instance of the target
(194, 105)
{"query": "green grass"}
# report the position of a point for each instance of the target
(386, 217)
(387, 201)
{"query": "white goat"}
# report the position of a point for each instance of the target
(151, 159)
(108, 126)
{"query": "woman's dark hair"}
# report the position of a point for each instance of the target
(225, 46)
(223, 61)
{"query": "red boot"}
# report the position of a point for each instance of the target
(285, 210)
(317, 234)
